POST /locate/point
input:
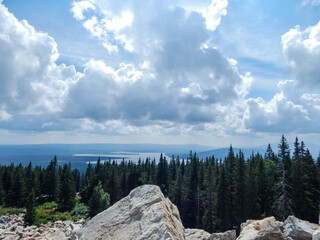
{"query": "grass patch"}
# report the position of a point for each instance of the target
(10, 211)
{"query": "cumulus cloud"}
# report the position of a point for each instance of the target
(173, 76)
(288, 111)
(31, 82)
(78, 8)
(302, 52)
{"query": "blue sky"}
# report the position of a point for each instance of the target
(207, 72)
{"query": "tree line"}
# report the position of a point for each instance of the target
(212, 194)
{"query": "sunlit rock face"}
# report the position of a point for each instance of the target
(144, 214)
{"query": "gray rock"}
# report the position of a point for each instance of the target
(196, 234)
(228, 235)
(144, 214)
(297, 229)
(316, 234)
(265, 229)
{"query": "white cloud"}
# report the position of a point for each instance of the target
(31, 82)
(4, 116)
(302, 53)
(171, 78)
(169, 82)
(310, 2)
(288, 111)
(78, 8)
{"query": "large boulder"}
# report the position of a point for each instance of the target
(144, 214)
(297, 229)
(265, 229)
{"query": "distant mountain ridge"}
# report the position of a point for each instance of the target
(223, 152)
(43, 153)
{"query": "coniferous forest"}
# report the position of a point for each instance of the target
(212, 194)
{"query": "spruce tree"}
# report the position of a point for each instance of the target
(30, 215)
(311, 188)
(284, 201)
(67, 192)
(2, 193)
(51, 181)
(163, 175)
(18, 187)
(222, 199)
(177, 191)
(99, 201)
(209, 195)
(239, 189)
(192, 216)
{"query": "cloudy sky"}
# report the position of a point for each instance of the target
(209, 72)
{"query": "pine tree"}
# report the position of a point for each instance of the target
(239, 189)
(113, 185)
(192, 215)
(222, 198)
(30, 216)
(18, 187)
(99, 201)
(311, 188)
(177, 191)
(252, 207)
(2, 193)
(67, 192)
(284, 201)
(163, 175)
(51, 181)
(209, 195)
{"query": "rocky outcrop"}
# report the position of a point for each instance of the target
(12, 228)
(297, 229)
(316, 234)
(267, 228)
(144, 214)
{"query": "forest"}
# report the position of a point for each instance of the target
(211, 194)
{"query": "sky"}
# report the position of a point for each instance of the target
(209, 72)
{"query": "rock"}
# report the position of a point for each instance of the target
(268, 229)
(228, 235)
(196, 234)
(298, 229)
(144, 214)
(316, 234)
(55, 233)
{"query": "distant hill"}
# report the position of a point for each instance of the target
(223, 152)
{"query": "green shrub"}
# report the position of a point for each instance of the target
(10, 211)
(48, 205)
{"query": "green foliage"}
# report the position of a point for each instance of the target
(67, 190)
(48, 215)
(10, 211)
(99, 201)
(30, 216)
(48, 205)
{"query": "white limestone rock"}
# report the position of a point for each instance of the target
(316, 234)
(297, 229)
(196, 234)
(144, 214)
(228, 235)
(265, 229)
